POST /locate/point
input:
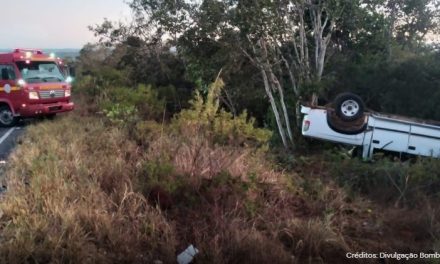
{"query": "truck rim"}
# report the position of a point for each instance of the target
(350, 108)
(6, 117)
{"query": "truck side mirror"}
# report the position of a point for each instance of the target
(5, 74)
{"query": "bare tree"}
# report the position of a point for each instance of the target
(306, 27)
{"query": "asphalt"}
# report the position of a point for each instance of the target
(9, 138)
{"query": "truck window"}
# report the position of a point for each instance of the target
(7, 72)
(40, 71)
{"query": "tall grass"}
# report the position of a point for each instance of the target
(70, 199)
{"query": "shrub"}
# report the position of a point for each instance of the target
(102, 78)
(121, 114)
(206, 141)
(205, 116)
(142, 102)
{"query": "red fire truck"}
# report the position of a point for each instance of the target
(32, 84)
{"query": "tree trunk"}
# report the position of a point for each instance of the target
(276, 83)
(391, 29)
(274, 107)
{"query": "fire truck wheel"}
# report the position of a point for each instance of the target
(348, 106)
(7, 118)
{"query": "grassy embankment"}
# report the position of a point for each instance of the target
(88, 188)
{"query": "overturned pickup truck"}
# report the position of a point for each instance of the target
(347, 122)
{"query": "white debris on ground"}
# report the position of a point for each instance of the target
(188, 255)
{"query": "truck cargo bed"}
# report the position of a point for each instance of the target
(375, 131)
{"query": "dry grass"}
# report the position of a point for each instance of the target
(196, 157)
(313, 241)
(73, 198)
(81, 191)
(70, 199)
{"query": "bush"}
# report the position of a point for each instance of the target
(121, 114)
(97, 82)
(205, 116)
(122, 104)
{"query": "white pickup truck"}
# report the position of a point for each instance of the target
(346, 122)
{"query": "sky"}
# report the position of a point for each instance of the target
(55, 23)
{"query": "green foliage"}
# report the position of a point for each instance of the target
(407, 86)
(98, 80)
(123, 104)
(158, 173)
(206, 115)
(146, 131)
(101, 68)
(174, 98)
(121, 114)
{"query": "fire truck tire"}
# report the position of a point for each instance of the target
(7, 118)
(349, 107)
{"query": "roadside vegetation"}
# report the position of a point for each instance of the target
(88, 188)
(196, 140)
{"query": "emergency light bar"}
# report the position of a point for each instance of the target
(34, 51)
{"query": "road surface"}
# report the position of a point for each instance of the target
(8, 140)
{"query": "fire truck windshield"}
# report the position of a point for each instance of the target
(40, 71)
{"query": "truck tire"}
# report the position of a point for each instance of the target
(348, 107)
(344, 127)
(7, 118)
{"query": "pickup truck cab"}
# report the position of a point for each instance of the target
(32, 84)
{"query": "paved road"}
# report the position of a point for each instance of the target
(8, 140)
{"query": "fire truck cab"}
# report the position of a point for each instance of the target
(32, 84)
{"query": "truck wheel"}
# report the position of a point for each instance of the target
(343, 127)
(348, 106)
(7, 118)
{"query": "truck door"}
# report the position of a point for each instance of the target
(8, 83)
